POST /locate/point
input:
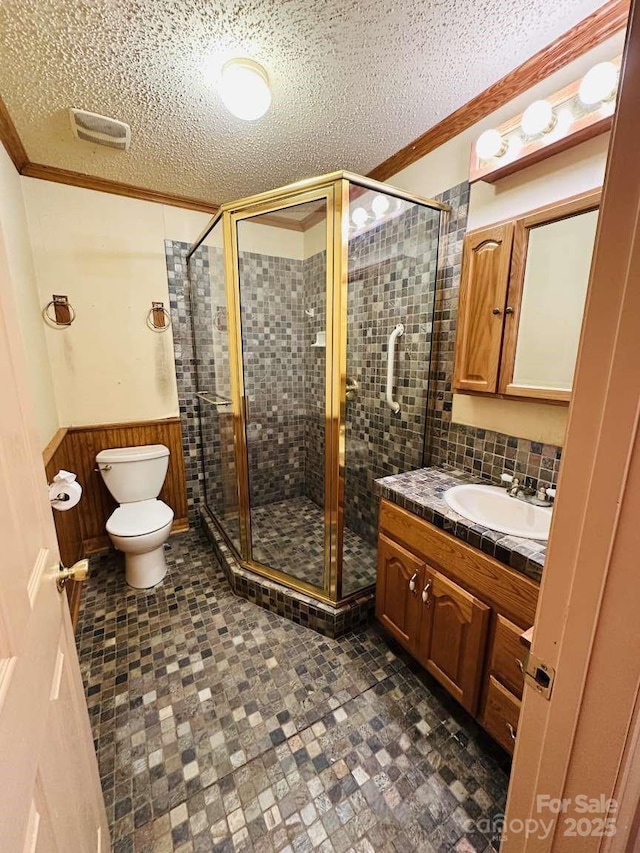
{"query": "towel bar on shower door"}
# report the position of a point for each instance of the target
(391, 354)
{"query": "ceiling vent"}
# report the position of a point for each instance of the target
(101, 130)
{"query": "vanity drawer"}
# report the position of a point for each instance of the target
(501, 713)
(507, 655)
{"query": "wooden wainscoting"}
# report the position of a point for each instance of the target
(81, 530)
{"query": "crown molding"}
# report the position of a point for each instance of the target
(593, 30)
(10, 139)
(596, 28)
(103, 185)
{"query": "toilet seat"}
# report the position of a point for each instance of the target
(139, 518)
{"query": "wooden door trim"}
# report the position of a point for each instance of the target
(590, 591)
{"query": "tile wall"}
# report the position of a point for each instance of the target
(392, 272)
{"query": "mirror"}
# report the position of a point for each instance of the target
(545, 303)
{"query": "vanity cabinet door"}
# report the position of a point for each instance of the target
(483, 295)
(398, 606)
(453, 636)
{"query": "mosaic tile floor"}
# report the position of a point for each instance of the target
(289, 535)
(220, 726)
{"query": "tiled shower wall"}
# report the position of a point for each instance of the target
(392, 271)
(273, 338)
(314, 362)
(482, 452)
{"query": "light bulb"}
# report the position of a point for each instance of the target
(244, 89)
(598, 84)
(490, 144)
(380, 205)
(359, 217)
(537, 118)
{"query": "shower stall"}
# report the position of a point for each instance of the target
(312, 311)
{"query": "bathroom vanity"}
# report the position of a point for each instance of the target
(459, 608)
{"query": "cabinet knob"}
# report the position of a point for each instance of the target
(412, 582)
(425, 594)
(496, 311)
(508, 310)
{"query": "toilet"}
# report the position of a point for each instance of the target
(140, 526)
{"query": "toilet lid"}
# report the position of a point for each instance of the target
(138, 518)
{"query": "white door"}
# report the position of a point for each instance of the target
(50, 797)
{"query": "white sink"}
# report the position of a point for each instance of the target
(492, 507)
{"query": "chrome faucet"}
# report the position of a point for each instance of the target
(521, 487)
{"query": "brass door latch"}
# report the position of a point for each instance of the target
(78, 572)
(539, 675)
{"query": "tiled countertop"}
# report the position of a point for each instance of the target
(422, 493)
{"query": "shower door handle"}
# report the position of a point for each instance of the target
(391, 355)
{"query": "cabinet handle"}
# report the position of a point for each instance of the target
(496, 311)
(412, 582)
(520, 665)
(425, 594)
(508, 310)
(512, 731)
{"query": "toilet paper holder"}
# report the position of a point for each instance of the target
(64, 491)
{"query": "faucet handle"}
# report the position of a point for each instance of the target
(551, 493)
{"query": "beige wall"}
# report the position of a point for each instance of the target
(106, 253)
(574, 171)
(15, 234)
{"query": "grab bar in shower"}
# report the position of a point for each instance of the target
(221, 401)
(391, 354)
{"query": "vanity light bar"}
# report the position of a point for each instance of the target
(578, 112)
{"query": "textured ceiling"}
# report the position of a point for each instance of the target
(353, 80)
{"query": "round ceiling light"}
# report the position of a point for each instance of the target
(537, 118)
(490, 144)
(598, 84)
(244, 89)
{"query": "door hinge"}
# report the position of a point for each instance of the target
(539, 675)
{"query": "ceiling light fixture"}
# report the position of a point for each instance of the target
(359, 217)
(380, 205)
(244, 89)
(598, 84)
(537, 118)
(490, 144)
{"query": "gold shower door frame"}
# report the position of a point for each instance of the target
(330, 193)
(334, 190)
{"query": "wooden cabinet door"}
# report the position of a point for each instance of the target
(398, 606)
(453, 637)
(483, 294)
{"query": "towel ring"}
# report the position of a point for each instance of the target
(51, 321)
(150, 320)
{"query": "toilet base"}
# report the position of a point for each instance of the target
(143, 571)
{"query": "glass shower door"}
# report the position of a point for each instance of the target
(392, 262)
(282, 273)
(212, 348)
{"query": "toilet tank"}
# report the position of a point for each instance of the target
(134, 473)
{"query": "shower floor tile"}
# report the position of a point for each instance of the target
(220, 726)
(289, 535)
